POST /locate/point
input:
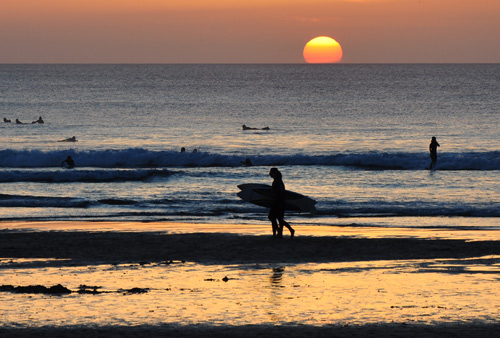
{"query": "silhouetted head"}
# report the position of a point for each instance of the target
(434, 138)
(275, 173)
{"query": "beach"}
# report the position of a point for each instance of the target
(220, 247)
(192, 280)
(141, 239)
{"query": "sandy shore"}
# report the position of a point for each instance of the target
(95, 247)
(105, 243)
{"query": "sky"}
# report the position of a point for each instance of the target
(247, 31)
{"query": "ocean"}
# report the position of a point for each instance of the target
(353, 137)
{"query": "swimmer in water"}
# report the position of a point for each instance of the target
(71, 139)
(68, 163)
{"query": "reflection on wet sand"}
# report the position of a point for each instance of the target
(276, 295)
(221, 279)
(354, 293)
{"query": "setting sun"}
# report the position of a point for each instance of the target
(322, 49)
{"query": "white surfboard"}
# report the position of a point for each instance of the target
(262, 195)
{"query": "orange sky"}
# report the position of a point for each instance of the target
(240, 31)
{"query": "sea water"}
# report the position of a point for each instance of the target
(353, 137)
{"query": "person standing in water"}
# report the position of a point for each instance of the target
(277, 210)
(433, 150)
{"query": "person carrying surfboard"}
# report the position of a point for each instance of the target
(277, 210)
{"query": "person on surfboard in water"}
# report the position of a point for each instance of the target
(433, 150)
(68, 163)
(277, 210)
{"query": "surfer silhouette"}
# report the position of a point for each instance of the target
(244, 127)
(68, 163)
(433, 151)
(40, 120)
(277, 210)
(71, 139)
(6, 120)
(247, 162)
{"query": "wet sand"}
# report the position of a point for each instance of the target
(100, 247)
(87, 244)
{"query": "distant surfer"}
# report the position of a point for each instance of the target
(18, 122)
(5, 120)
(71, 139)
(247, 162)
(433, 152)
(68, 163)
(277, 210)
(244, 127)
(40, 120)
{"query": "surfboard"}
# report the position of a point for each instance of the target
(252, 186)
(262, 195)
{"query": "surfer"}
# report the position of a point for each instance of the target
(71, 139)
(247, 162)
(5, 120)
(68, 163)
(18, 122)
(277, 210)
(433, 150)
(40, 120)
(244, 127)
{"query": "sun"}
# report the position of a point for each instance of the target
(322, 49)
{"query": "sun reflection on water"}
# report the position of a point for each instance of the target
(422, 291)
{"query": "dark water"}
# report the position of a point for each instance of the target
(353, 137)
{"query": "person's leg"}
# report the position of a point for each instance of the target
(285, 223)
(282, 223)
(272, 218)
(433, 161)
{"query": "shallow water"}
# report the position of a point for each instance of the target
(422, 291)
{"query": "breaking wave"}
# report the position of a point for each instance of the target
(143, 158)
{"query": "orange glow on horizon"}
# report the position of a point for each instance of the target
(322, 49)
(224, 31)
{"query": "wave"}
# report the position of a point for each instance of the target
(143, 158)
(21, 201)
(409, 209)
(78, 175)
(230, 208)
